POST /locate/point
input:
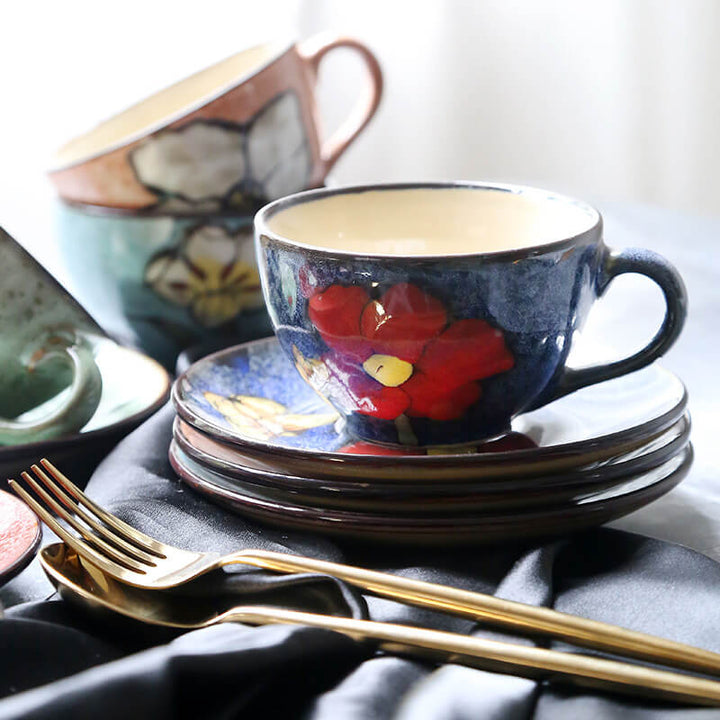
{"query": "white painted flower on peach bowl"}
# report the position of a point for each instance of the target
(209, 165)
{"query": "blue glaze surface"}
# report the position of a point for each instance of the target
(261, 371)
(537, 302)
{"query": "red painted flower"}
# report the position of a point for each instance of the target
(400, 354)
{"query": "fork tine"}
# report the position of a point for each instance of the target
(99, 528)
(101, 546)
(80, 547)
(129, 533)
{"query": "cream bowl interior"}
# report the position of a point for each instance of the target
(442, 220)
(166, 106)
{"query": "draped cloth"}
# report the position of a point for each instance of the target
(57, 662)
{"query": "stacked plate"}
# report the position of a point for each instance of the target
(251, 435)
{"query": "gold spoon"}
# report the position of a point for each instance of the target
(83, 584)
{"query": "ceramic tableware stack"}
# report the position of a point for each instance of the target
(155, 219)
(417, 388)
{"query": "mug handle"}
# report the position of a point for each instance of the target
(658, 269)
(312, 51)
(82, 399)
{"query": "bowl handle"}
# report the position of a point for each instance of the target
(69, 410)
(658, 269)
(312, 51)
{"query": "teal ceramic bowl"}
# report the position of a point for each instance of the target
(165, 283)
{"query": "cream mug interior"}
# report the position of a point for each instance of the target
(165, 106)
(433, 313)
(432, 221)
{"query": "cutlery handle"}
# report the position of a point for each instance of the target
(517, 616)
(531, 662)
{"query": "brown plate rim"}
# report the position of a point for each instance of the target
(436, 526)
(488, 484)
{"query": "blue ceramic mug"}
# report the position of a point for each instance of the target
(432, 314)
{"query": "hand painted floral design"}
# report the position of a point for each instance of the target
(278, 151)
(288, 286)
(401, 354)
(200, 161)
(212, 273)
(213, 165)
(260, 418)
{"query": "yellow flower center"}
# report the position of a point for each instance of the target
(388, 369)
(222, 291)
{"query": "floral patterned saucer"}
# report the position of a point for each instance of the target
(455, 526)
(251, 399)
(20, 535)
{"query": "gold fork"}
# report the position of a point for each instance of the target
(134, 558)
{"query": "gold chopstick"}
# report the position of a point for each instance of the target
(528, 619)
(531, 662)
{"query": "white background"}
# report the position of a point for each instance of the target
(603, 99)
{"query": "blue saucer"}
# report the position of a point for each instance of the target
(251, 398)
